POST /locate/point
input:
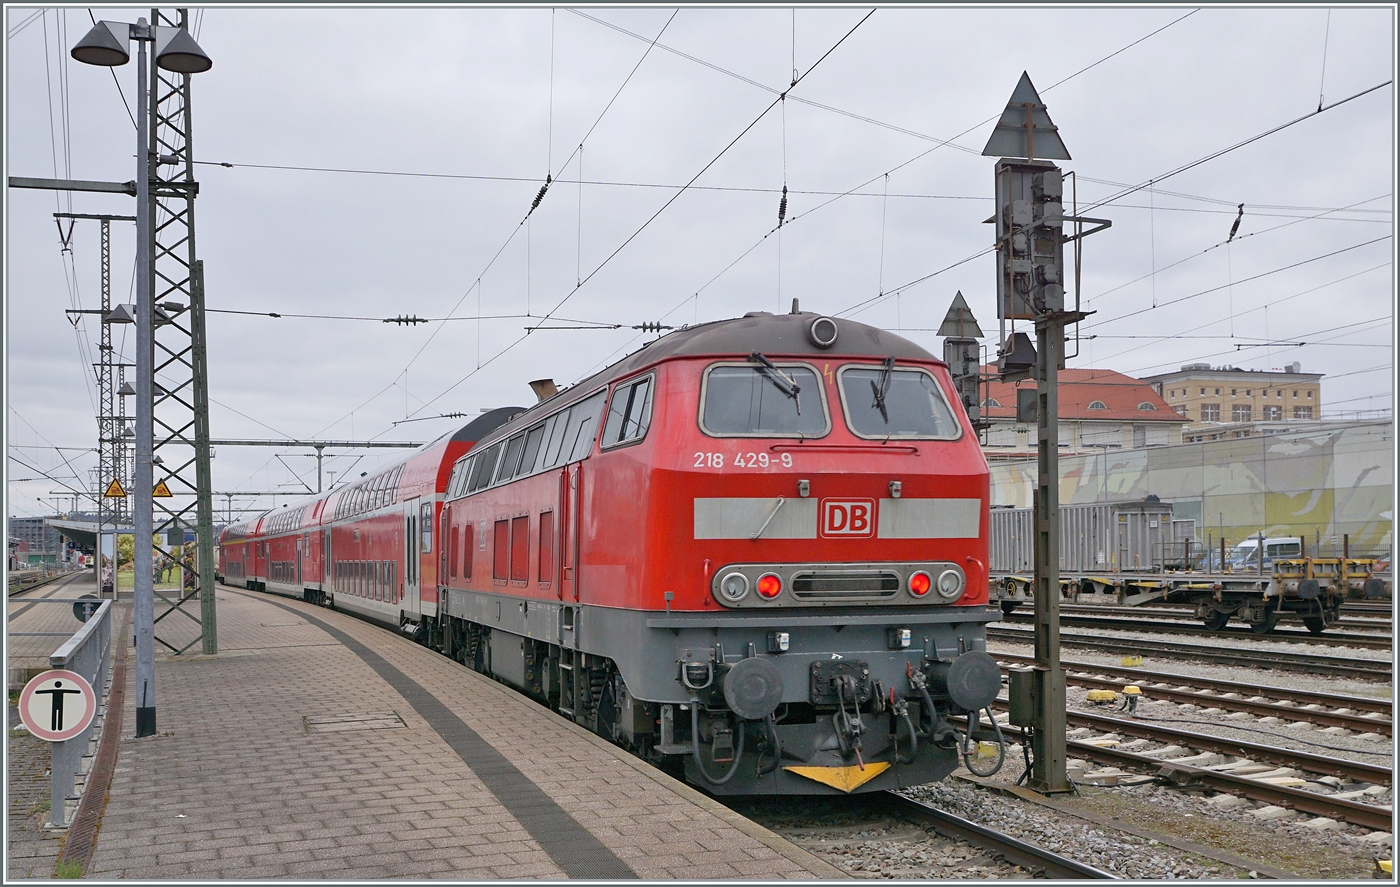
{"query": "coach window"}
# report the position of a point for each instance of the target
(500, 543)
(751, 400)
(629, 413)
(884, 402)
(425, 523)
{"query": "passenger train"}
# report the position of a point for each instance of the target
(755, 550)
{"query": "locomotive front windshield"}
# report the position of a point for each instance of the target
(882, 401)
(782, 401)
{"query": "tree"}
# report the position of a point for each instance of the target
(126, 549)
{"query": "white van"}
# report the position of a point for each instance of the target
(1245, 557)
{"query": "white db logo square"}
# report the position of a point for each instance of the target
(848, 517)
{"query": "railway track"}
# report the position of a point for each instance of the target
(1360, 713)
(1353, 621)
(1341, 806)
(893, 835)
(1309, 663)
(1332, 638)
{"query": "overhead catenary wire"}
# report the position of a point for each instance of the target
(477, 285)
(658, 212)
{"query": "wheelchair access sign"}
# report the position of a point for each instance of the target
(57, 705)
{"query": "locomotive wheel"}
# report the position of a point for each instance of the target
(1009, 607)
(1216, 620)
(1315, 624)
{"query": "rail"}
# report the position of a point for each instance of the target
(1336, 666)
(88, 653)
(1027, 856)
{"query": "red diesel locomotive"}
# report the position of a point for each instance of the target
(755, 548)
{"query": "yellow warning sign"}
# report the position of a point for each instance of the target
(161, 491)
(114, 490)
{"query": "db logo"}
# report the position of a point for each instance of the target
(848, 517)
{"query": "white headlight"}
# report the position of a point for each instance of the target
(950, 584)
(734, 586)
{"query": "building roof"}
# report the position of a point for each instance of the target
(1292, 371)
(1116, 398)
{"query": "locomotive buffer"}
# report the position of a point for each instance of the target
(1030, 239)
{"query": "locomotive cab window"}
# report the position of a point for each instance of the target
(629, 413)
(763, 400)
(887, 401)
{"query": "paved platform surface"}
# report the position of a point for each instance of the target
(440, 773)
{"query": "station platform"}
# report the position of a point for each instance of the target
(314, 745)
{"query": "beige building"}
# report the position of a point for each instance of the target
(1222, 402)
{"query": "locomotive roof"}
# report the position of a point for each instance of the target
(783, 334)
(776, 335)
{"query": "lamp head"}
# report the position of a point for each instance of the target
(105, 45)
(176, 51)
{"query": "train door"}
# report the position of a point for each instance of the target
(301, 543)
(326, 575)
(571, 481)
(409, 598)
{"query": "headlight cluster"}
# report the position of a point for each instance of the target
(735, 585)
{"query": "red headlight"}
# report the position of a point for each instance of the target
(919, 584)
(768, 586)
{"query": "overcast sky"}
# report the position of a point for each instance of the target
(458, 96)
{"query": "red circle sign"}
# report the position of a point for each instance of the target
(57, 705)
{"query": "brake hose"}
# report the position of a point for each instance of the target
(968, 757)
(695, 747)
(771, 723)
(902, 710)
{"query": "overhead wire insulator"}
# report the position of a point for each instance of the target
(406, 320)
(1236, 227)
(652, 327)
(540, 196)
(782, 207)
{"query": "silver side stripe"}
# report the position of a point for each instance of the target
(741, 518)
(797, 518)
(930, 518)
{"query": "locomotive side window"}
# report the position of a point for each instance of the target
(744, 400)
(481, 476)
(546, 574)
(583, 427)
(506, 470)
(629, 413)
(531, 453)
(520, 548)
(500, 560)
(884, 402)
(468, 545)
(558, 423)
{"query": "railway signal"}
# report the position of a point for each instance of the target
(1030, 221)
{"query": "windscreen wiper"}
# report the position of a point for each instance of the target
(779, 378)
(883, 388)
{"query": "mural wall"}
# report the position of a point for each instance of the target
(1319, 484)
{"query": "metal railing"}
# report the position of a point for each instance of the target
(88, 653)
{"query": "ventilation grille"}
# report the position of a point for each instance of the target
(854, 585)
